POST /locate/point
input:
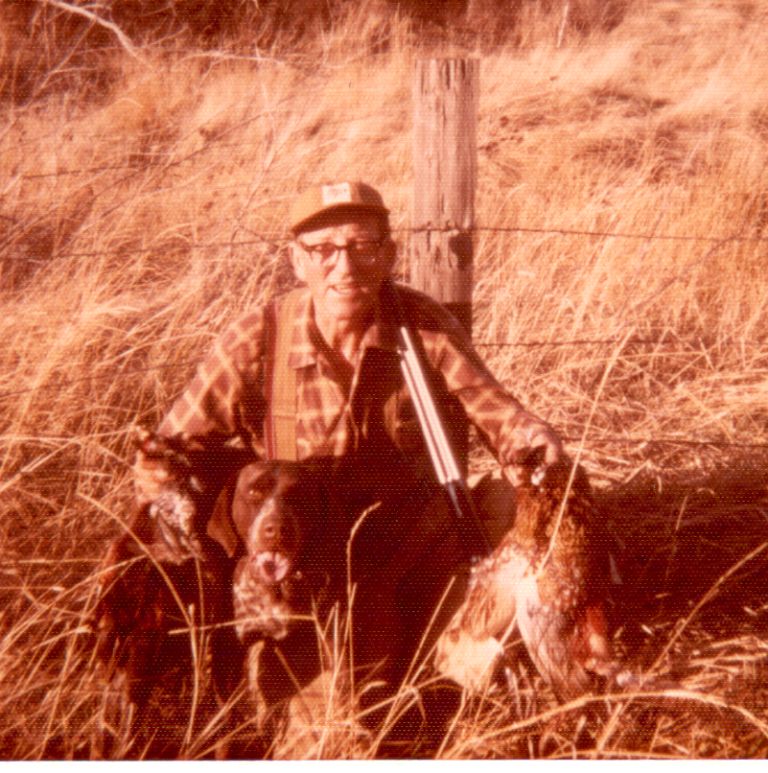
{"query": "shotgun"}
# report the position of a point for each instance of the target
(418, 377)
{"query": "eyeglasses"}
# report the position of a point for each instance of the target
(364, 252)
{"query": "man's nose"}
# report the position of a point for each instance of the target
(343, 264)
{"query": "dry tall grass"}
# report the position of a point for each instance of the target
(141, 208)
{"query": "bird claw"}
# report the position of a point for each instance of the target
(192, 546)
(629, 680)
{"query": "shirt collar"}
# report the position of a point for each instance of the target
(306, 341)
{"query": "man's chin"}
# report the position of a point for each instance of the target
(344, 305)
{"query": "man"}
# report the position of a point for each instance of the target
(342, 251)
(350, 399)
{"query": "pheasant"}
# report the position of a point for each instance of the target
(154, 573)
(173, 513)
(548, 576)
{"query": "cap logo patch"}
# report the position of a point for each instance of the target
(341, 193)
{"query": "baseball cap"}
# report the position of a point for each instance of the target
(321, 199)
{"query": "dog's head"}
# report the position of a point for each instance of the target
(277, 509)
(271, 509)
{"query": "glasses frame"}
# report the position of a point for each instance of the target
(327, 253)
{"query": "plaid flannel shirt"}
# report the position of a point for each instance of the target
(337, 407)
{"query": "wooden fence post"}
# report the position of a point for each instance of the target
(445, 176)
(445, 97)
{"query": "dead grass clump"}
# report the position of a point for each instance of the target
(695, 551)
(33, 239)
(522, 21)
(18, 59)
(631, 104)
(201, 20)
(46, 49)
(593, 16)
(658, 155)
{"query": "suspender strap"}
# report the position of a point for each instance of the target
(280, 379)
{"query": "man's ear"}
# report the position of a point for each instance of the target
(297, 262)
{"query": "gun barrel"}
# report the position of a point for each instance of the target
(443, 459)
(441, 453)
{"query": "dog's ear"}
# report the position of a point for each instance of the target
(220, 526)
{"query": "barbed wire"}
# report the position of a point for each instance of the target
(662, 441)
(167, 158)
(275, 240)
(170, 161)
(692, 342)
(84, 170)
(283, 236)
(279, 238)
(593, 439)
(676, 341)
(615, 234)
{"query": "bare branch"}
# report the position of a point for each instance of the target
(122, 38)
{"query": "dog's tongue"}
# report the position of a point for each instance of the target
(273, 566)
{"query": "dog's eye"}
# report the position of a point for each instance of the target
(262, 484)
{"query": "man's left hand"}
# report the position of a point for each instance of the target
(529, 435)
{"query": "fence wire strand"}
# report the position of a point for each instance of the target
(596, 439)
(279, 238)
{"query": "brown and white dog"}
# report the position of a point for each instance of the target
(277, 510)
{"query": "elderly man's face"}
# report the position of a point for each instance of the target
(343, 265)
